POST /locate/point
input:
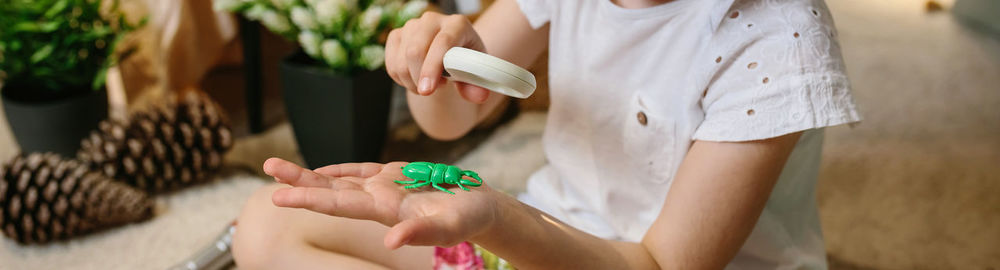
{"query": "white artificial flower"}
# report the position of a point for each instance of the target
(331, 14)
(370, 19)
(227, 5)
(351, 4)
(392, 6)
(334, 54)
(367, 26)
(410, 10)
(304, 18)
(372, 57)
(256, 12)
(310, 43)
(276, 22)
(283, 4)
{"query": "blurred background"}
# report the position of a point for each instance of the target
(914, 186)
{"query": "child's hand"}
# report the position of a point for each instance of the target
(367, 191)
(414, 53)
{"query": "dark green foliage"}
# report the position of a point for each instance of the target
(50, 49)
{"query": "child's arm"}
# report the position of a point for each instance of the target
(713, 204)
(414, 54)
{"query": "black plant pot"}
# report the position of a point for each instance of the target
(336, 118)
(55, 126)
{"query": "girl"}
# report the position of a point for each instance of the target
(681, 135)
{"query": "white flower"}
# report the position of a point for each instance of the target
(334, 54)
(410, 10)
(351, 4)
(393, 6)
(283, 4)
(256, 12)
(367, 26)
(331, 14)
(304, 18)
(275, 22)
(227, 5)
(372, 57)
(310, 43)
(370, 19)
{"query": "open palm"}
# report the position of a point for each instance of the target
(423, 216)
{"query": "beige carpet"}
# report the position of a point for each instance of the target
(185, 222)
(916, 185)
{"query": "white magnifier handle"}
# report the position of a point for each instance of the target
(484, 70)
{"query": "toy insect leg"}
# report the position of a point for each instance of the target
(459, 183)
(406, 182)
(441, 188)
(417, 185)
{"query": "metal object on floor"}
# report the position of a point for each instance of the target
(218, 255)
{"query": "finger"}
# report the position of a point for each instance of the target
(402, 65)
(395, 64)
(364, 170)
(399, 68)
(346, 183)
(391, 42)
(349, 182)
(430, 71)
(418, 39)
(289, 173)
(349, 203)
(422, 231)
(473, 93)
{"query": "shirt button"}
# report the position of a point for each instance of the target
(641, 116)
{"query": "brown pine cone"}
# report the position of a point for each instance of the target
(45, 198)
(166, 148)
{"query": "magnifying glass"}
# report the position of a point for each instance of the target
(487, 71)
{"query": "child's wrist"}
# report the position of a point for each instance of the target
(504, 208)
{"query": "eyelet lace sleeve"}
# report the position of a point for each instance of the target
(537, 11)
(778, 70)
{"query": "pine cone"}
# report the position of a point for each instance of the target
(169, 147)
(45, 198)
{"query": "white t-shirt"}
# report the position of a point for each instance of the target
(631, 89)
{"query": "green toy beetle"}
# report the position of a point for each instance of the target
(426, 173)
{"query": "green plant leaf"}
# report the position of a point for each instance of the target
(56, 8)
(42, 53)
(36, 27)
(99, 79)
(15, 45)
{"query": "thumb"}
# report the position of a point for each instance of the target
(473, 93)
(421, 231)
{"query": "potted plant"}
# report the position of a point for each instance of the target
(336, 90)
(53, 58)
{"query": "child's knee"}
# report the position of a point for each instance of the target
(258, 235)
(260, 200)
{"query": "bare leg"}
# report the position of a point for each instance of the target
(270, 237)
